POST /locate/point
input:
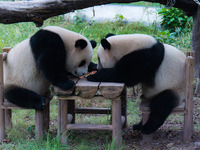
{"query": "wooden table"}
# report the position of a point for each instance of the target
(85, 90)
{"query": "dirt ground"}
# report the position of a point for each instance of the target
(168, 137)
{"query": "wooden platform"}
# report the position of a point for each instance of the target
(86, 90)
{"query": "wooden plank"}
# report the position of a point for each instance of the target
(59, 92)
(88, 110)
(86, 89)
(89, 127)
(116, 122)
(188, 117)
(6, 49)
(111, 90)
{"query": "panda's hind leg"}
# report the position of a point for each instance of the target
(24, 98)
(160, 108)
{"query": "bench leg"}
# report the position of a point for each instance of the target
(62, 120)
(116, 122)
(188, 126)
(8, 118)
(46, 118)
(39, 124)
(2, 124)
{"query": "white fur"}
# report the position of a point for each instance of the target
(122, 45)
(20, 67)
(171, 73)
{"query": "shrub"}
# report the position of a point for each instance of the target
(174, 20)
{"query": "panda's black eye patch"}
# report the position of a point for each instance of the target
(82, 63)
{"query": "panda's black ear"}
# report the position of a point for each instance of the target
(93, 43)
(105, 44)
(109, 34)
(81, 43)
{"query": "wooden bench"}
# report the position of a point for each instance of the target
(85, 90)
(41, 117)
(186, 107)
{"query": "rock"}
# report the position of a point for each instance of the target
(170, 145)
(197, 144)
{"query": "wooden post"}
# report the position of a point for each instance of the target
(39, 124)
(62, 120)
(8, 112)
(188, 117)
(46, 117)
(124, 107)
(8, 118)
(116, 122)
(2, 112)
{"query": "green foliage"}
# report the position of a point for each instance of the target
(174, 19)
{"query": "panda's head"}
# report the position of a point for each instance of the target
(78, 48)
(79, 58)
(114, 47)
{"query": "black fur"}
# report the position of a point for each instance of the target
(106, 45)
(137, 67)
(81, 43)
(160, 108)
(24, 98)
(92, 67)
(109, 34)
(50, 55)
(93, 43)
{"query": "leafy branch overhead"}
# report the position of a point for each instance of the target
(38, 11)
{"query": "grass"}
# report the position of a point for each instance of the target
(21, 136)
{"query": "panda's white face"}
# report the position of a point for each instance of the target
(79, 59)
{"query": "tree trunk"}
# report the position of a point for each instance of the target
(196, 48)
(38, 11)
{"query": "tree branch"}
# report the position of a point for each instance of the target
(40, 10)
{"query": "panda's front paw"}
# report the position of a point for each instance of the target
(69, 84)
(40, 104)
(91, 78)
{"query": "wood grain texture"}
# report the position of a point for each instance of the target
(111, 90)
(86, 89)
(59, 92)
(188, 117)
(89, 127)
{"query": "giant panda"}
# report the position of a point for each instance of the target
(42, 60)
(158, 67)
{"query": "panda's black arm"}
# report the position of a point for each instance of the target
(50, 55)
(92, 67)
(104, 75)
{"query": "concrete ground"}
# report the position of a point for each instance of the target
(108, 12)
